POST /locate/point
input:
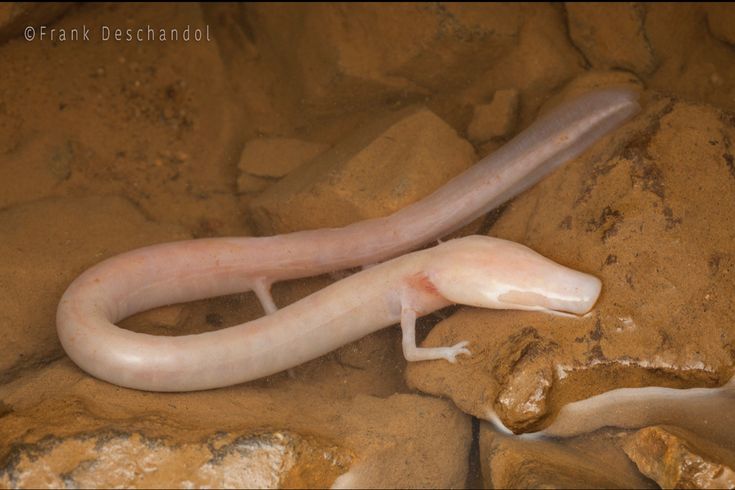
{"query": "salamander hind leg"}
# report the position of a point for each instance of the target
(413, 353)
(262, 289)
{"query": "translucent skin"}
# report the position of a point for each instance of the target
(705, 411)
(380, 296)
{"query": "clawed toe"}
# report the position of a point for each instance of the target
(456, 350)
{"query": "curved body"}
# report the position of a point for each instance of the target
(195, 269)
(701, 410)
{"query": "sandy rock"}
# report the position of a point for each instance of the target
(693, 64)
(203, 214)
(130, 122)
(91, 433)
(249, 184)
(592, 461)
(612, 36)
(495, 119)
(376, 170)
(677, 459)
(265, 159)
(721, 22)
(36, 236)
(16, 16)
(109, 459)
(646, 210)
(541, 60)
(163, 125)
(347, 57)
(277, 157)
(37, 166)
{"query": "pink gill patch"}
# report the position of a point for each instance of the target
(421, 282)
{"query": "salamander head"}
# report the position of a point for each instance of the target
(493, 273)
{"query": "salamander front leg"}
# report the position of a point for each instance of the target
(413, 353)
(262, 289)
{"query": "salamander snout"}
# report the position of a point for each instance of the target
(493, 273)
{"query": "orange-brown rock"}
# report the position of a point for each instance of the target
(16, 16)
(117, 118)
(647, 211)
(674, 458)
(279, 432)
(721, 22)
(542, 57)
(265, 159)
(133, 460)
(347, 57)
(496, 119)
(376, 170)
(156, 130)
(45, 245)
(612, 36)
(689, 56)
(591, 461)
